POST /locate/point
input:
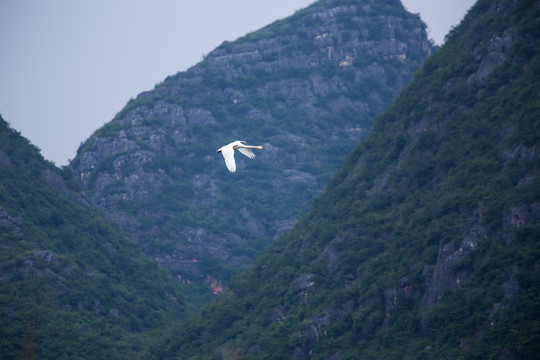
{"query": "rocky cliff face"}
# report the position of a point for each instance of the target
(306, 88)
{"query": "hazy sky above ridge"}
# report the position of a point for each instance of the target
(68, 66)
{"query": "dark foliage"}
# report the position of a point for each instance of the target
(71, 285)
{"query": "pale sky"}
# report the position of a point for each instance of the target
(68, 66)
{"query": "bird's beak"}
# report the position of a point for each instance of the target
(260, 147)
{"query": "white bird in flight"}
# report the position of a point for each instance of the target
(228, 152)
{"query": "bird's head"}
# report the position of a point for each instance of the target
(260, 147)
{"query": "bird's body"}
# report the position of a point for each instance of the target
(228, 152)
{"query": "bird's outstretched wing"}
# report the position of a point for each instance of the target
(250, 154)
(228, 155)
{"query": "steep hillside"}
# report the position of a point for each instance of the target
(426, 244)
(306, 88)
(71, 285)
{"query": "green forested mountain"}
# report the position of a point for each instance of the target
(71, 285)
(305, 87)
(426, 243)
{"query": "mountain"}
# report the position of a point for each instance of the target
(72, 286)
(306, 88)
(426, 243)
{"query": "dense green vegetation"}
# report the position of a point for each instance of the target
(71, 285)
(425, 245)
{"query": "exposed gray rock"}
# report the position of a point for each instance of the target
(47, 256)
(491, 57)
(330, 253)
(442, 276)
(302, 284)
(98, 308)
(4, 160)
(12, 222)
(278, 316)
(521, 215)
(317, 327)
(55, 180)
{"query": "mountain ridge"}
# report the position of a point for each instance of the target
(71, 284)
(305, 87)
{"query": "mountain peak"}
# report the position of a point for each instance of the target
(305, 87)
